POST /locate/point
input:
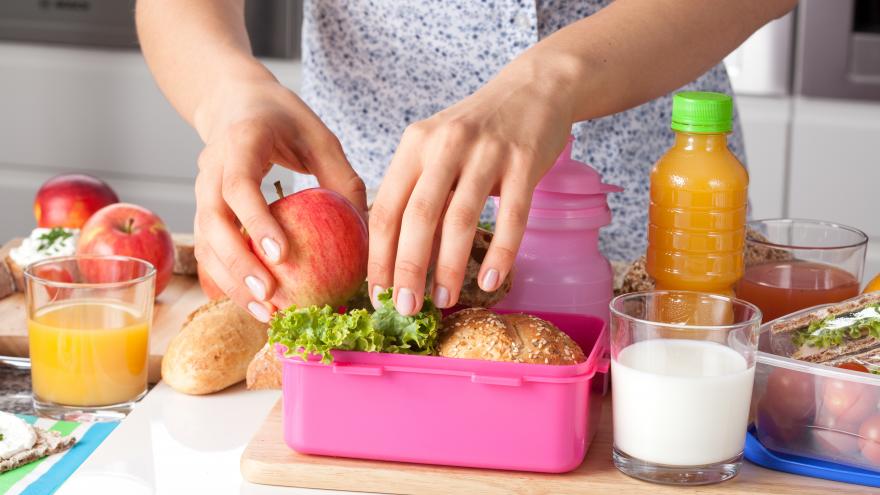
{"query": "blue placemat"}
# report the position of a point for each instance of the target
(44, 476)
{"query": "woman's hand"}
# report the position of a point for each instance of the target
(249, 125)
(499, 141)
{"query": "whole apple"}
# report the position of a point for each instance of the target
(129, 230)
(69, 200)
(327, 258)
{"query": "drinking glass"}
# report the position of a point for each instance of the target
(800, 264)
(681, 391)
(88, 321)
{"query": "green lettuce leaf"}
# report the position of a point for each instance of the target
(318, 330)
(414, 334)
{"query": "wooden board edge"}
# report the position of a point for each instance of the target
(266, 461)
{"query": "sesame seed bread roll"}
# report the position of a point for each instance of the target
(478, 333)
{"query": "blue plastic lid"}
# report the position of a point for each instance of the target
(804, 466)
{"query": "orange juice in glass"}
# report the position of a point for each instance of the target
(88, 327)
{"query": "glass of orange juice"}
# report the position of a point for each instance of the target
(88, 323)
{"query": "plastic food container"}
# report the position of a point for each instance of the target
(815, 411)
(458, 412)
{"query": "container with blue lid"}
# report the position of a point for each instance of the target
(811, 419)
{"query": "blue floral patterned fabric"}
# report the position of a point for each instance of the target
(371, 67)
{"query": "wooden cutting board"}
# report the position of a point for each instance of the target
(267, 460)
(177, 301)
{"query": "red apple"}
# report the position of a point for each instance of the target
(128, 230)
(327, 258)
(209, 287)
(69, 200)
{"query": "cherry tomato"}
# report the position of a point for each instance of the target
(869, 442)
(774, 428)
(853, 367)
(790, 394)
(848, 402)
(833, 437)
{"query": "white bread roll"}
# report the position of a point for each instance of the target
(213, 348)
(264, 372)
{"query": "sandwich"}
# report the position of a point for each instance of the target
(840, 333)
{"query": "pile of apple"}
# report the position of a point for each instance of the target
(326, 234)
(107, 227)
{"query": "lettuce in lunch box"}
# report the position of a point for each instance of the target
(318, 330)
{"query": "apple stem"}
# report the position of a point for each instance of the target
(129, 226)
(278, 190)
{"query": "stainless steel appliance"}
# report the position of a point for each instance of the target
(273, 25)
(838, 49)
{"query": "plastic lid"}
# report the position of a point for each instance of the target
(702, 112)
(573, 177)
(803, 466)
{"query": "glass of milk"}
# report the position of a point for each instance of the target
(682, 367)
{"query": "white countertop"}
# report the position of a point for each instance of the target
(178, 444)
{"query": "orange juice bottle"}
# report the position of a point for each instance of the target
(699, 194)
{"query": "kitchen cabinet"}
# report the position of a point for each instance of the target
(765, 124)
(97, 111)
(814, 158)
(835, 166)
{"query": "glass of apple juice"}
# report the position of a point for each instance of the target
(800, 264)
(88, 321)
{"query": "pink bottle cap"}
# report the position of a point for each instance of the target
(573, 177)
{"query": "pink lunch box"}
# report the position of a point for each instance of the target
(457, 412)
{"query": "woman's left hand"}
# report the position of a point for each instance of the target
(499, 141)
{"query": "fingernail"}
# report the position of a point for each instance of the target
(271, 249)
(441, 296)
(257, 287)
(406, 301)
(259, 311)
(490, 280)
(377, 289)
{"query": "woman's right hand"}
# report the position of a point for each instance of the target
(248, 125)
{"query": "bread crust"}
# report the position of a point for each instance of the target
(184, 254)
(636, 278)
(264, 371)
(11, 274)
(8, 281)
(48, 443)
(213, 349)
(792, 324)
(478, 333)
(471, 294)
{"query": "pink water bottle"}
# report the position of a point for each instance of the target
(559, 267)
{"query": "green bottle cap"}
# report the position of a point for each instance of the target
(702, 112)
